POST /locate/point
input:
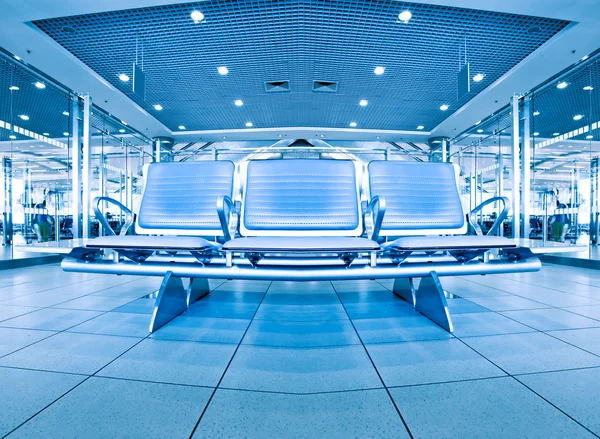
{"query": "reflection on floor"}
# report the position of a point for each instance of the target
(307, 360)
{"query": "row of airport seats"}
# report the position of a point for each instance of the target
(301, 220)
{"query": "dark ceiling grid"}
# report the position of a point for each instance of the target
(300, 41)
(44, 107)
(558, 107)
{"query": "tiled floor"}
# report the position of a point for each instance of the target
(302, 360)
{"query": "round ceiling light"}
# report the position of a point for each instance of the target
(197, 16)
(405, 16)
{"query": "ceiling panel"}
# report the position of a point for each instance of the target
(300, 41)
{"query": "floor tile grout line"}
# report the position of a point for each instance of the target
(73, 388)
(212, 395)
(514, 378)
(538, 286)
(66, 330)
(553, 405)
(62, 286)
(45, 407)
(374, 366)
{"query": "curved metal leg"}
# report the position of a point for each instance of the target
(197, 289)
(171, 301)
(404, 288)
(430, 301)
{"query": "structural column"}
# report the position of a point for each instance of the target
(7, 226)
(86, 163)
(516, 169)
(526, 168)
(76, 168)
(440, 149)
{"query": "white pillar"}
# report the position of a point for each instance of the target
(516, 168)
(86, 163)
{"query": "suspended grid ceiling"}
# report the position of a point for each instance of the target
(300, 41)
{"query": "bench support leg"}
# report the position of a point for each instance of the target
(197, 289)
(404, 288)
(430, 301)
(173, 298)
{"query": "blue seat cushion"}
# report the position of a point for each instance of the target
(463, 242)
(137, 242)
(301, 194)
(301, 244)
(419, 196)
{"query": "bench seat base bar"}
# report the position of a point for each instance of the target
(301, 273)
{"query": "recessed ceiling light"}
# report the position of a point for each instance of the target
(123, 122)
(536, 134)
(224, 137)
(238, 102)
(12, 136)
(589, 137)
(588, 88)
(121, 130)
(478, 77)
(46, 134)
(444, 107)
(13, 88)
(363, 103)
(585, 57)
(404, 16)
(480, 130)
(181, 127)
(65, 134)
(420, 127)
(123, 77)
(352, 124)
(223, 70)
(379, 70)
(536, 113)
(249, 124)
(24, 116)
(197, 16)
(158, 107)
(65, 113)
(478, 122)
(18, 58)
(556, 134)
(40, 85)
(578, 117)
(562, 84)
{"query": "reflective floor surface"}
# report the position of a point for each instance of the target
(303, 360)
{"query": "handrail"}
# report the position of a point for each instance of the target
(503, 215)
(380, 203)
(128, 215)
(222, 201)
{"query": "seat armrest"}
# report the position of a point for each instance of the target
(501, 217)
(377, 203)
(102, 219)
(224, 202)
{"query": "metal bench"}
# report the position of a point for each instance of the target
(424, 214)
(303, 220)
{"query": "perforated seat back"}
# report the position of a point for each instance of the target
(301, 198)
(181, 198)
(422, 198)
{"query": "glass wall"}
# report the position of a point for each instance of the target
(41, 129)
(557, 153)
(35, 130)
(483, 155)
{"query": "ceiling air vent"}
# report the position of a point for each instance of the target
(325, 86)
(277, 86)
